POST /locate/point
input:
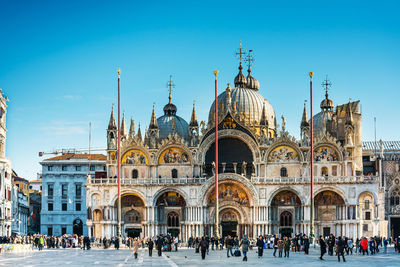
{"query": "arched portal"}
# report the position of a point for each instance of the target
(97, 226)
(132, 214)
(170, 212)
(77, 227)
(234, 156)
(329, 212)
(234, 209)
(286, 213)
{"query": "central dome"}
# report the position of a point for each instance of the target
(165, 125)
(248, 102)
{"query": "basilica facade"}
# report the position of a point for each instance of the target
(167, 175)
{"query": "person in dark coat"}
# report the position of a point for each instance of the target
(322, 246)
(150, 245)
(116, 243)
(331, 244)
(203, 247)
(306, 244)
(160, 243)
(340, 248)
(260, 246)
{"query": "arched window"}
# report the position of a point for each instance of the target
(173, 219)
(135, 173)
(324, 171)
(286, 218)
(174, 173)
(284, 172)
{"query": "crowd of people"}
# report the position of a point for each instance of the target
(281, 246)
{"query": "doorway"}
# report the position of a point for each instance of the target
(77, 227)
(174, 232)
(287, 231)
(229, 228)
(395, 227)
(133, 232)
(326, 231)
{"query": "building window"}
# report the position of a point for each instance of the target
(365, 227)
(63, 230)
(173, 219)
(135, 173)
(78, 168)
(92, 168)
(64, 190)
(284, 172)
(286, 218)
(64, 206)
(367, 215)
(324, 171)
(78, 190)
(64, 168)
(50, 190)
(174, 173)
(78, 206)
(49, 230)
(50, 206)
(366, 204)
(50, 168)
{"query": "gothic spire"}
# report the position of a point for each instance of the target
(112, 125)
(304, 119)
(264, 120)
(139, 133)
(349, 119)
(193, 119)
(123, 126)
(153, 120)
(132, 129)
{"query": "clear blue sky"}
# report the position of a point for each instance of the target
(58, 62)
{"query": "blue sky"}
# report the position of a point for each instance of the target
(58, 62)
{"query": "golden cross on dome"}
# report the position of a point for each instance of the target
(240, 52)
(170, 84)
(250, 58)
(326, 84)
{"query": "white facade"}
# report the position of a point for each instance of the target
(5, 173)
(20, 212)
(64, 192)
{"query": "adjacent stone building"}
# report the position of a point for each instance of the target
(5, 173)
(264, 172)
(20, 205)
(64, 192)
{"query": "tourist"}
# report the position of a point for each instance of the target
(280, 247)
(286, 246)
(385, 244)
(150, 245)
(260, 246)
(203, 247)
(340, 248)
(331, 244)
(245, 247)
(364, 245)
(212, 243)
(160, 243)
(275, 242)
(306, 244)
(322, 246)
(229, 245)
(350, 245)
(135, 247)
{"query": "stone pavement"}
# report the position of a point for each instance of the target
(184, 257)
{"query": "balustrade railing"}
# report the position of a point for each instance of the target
(147, 181)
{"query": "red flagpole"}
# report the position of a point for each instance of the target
(216, 157)
(311, 159)
(119, 154)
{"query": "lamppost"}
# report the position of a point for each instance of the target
(216, 158)
(311, 161)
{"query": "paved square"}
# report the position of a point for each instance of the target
(184, 257)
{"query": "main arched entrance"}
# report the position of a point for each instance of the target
(286, 213)
(234, 156)
(170, 212)
(132, 214)
(234, 209)
(329, 212)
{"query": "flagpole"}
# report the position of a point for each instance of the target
(311, 160)
(216, 158)
(119, 155)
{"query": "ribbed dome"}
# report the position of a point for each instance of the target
(248, 101)
(320, 121)
(165, 126)
(252, 83)
(327, 104)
